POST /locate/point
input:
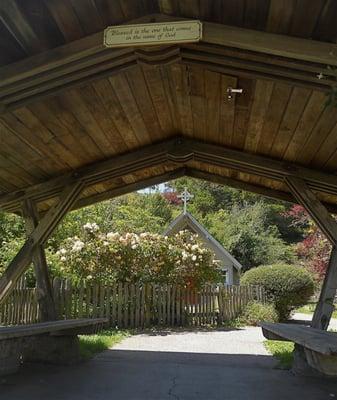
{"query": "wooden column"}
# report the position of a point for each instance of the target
(328, 226)
(43, 284)
(39, 236)
(325, 306)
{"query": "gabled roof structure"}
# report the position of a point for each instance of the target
(186, 220)
(80, 123)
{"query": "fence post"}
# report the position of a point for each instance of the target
(56, 295)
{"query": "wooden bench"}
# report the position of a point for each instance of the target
(315, 349)
(48, 342)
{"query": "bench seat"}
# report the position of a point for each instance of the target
(314, 347)
(62, 327)
(53, 342)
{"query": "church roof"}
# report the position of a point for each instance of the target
(186, 219)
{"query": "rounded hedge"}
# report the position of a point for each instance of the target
(256, 312)
(286, 286)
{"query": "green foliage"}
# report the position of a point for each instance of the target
(310, 309)
(210, 197)
(256, 312)
(254, 230)
(11, 227)
(158, 206)
(287, 286)
(93, 344)
(283, 351)
(143, 258)
(130, 213)
(246, 234)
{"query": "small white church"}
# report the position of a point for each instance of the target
(185, 221)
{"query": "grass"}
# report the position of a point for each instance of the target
(310, 308)
(283, 351)
(93, 344)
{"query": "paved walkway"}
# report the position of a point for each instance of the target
(308, 317)
(220, 365)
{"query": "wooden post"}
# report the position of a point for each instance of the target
(43, 284)
(325, 306)
(39, 236)
(328, 226)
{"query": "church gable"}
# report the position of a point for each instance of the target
(185, 221)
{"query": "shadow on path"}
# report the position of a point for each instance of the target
(153, 375)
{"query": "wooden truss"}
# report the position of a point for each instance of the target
(301, 181)
(225, 49)
(38, 237)
(180, 152)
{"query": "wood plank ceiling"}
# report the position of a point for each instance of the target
(144, 105)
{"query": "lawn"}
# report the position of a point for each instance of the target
(283, 351)
(93, 344)
(310, 308)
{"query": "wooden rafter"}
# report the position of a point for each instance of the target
(38, 236)
(257, 54)
(99, 172)
(234, 183)
(179, 151)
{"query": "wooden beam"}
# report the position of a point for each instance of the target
(180, 151)
(248, 187)
(39, 236)
(234, 183)
(325, 306)
(328, 226)
(132, 187)
(257, 165)
(43, 283)
(86, 59)
(115, 167)
(13, 18)
(314, 207)
(244, 70)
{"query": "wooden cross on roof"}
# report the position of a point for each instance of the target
(185, 196)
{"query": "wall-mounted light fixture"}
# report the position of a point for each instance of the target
(231, 92)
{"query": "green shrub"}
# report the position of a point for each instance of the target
(286, 286)
(255, 313)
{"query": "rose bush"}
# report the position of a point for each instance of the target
(113, 257)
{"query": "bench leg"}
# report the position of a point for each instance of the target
(52, 349)
(311, 363)
(10, 356)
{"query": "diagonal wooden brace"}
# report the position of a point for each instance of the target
(39, 236)
(328, 226)
(43, 283)
(317, 211)
(325, 306)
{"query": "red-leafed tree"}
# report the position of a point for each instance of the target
(314, 250)
(172, 198)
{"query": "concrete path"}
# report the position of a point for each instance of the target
(308, 317)
(238, 341)
(220, 365)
